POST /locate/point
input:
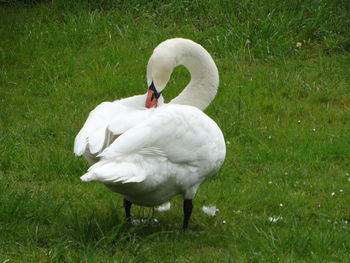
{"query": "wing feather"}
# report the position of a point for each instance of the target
(107, 121)
(173, 132)
(113, 172)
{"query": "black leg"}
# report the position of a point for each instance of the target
(187, 212)
(127, 207)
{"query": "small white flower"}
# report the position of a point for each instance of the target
(299, 121)
(237, 211)
(333, 194)
(210, 210)
(270, 182)
(224, 221)
(270, 137)
(346, 221)
(281, 204)
(228, 142)
(349, 179)
(286, 173)
(341, 190)
(347, 174)
(313, 129)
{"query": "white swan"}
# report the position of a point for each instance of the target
(160, 151)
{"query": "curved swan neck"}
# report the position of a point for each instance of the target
(203, 86)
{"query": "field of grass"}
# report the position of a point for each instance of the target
(283, 106)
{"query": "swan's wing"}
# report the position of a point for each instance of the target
(178, 134)
(92, 135)
(107, 121)
(127, 118)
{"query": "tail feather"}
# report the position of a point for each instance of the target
(113, 172)
(88, 177)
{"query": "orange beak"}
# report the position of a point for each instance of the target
(151, 101)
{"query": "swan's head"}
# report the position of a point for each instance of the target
(152, 96)
(159, 69)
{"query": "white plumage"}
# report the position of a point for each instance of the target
(106, 122)
(149, 155)
(170, 153)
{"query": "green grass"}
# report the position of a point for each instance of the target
(284, 110)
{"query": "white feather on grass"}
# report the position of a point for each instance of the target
(151, 221)
(275, 219)
(210, 210)
(164, 207)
